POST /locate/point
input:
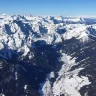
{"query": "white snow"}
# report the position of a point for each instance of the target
(1, 94)
(1, 46)
(68, 82)
(26, 50)
(0, 65)
(25, 87)
(77, 30)
(16, 75)
(46, 89)
(52, 75)
(17, 39)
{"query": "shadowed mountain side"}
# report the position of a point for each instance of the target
(22, 72)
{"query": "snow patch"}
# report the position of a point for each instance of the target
(1, 94)
(68, 83)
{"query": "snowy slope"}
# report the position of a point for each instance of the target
(68, 83)
(19, 32)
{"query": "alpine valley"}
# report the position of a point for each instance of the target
(47, 55)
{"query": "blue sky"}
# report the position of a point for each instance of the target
(49, 7)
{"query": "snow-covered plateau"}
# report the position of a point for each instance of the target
(47, 55)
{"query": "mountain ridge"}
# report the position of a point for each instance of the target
(46, 55)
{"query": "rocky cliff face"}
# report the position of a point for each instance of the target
(47, 56)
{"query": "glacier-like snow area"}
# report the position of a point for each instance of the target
(68, 83)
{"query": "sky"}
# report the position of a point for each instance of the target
(49, 7)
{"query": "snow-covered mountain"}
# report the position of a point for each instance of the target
(47, 56)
